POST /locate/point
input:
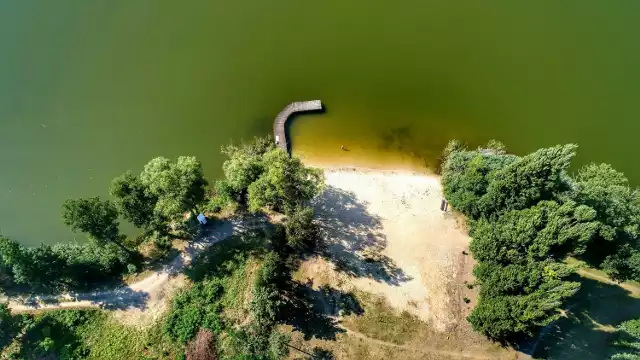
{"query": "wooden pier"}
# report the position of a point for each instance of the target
(279, 132)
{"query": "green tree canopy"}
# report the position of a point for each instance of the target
(300, 229)
(503, 317)
(245, 164)
(546, 230)
(94, 217)
(179, 187)
(606, 190)
(617, 206)
(466, 177)
(62, 267)
(518, 279)
(527, 215)
(9, 326)
(530, 179)
(133, 200)
(285, 184)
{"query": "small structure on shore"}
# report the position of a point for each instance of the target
(202, 219)
(444, 205)
(279, 132)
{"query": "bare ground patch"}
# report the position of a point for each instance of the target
(385, 231)
(388, 242)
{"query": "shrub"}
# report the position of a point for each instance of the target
(301, 231)
(202, 347)
(195, 308)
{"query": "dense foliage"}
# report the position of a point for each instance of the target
(194, 309)
(178, 187)
(134, 202)
(627, 342)
(527, 214)
(301, 231)
(62, 267)
(155, 202)
(222, 274)
(95, 217)
(82, 334)
(259, 175)
(199, 325)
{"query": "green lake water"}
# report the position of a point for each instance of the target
(89, 89)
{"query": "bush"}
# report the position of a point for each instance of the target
(301, 231)
(202, 347)
(62, 267)
(131, 269)
(57, 334)
(223, 196)
(195, 308)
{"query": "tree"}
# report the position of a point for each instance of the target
(193, 309)
(532, 178)
(623, 264)
(466, 175)
(300, 229)
(179, 187)
(517, 279)
(133, 200)
(626, 344)
(285, 184)
(40, 267)
(97, 218)
(617, 207)
(503, 317)
(9, 326)
(261, 176)
(62, 267)
(547, 230)
(89, 263)
(243, 167)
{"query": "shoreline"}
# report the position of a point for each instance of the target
(412, 164)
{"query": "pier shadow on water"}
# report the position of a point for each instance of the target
(354, 238)
(311, 115)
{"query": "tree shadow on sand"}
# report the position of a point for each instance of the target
(315, 312)
(354, 238)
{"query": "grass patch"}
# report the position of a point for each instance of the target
(111, 340)
(238, 291)
(380, 321)
(88, 334)
(222, 259)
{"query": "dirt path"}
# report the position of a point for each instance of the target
(458, 354)
(139, 295)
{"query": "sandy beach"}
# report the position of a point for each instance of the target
(387, 235)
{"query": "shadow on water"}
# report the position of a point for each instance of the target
(401, 140)
(354, 238)
(307, 114)
(588, 330)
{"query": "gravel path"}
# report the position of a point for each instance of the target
(136, 295)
